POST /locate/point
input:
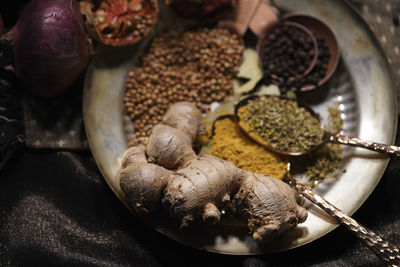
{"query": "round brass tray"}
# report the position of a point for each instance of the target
(362, 87)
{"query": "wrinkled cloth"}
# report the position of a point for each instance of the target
(57, 210)
(56, 123)
(12, 133)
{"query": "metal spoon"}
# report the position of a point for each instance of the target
(385, 251)
(328, 137)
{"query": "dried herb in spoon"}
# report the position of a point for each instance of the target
(281, 124)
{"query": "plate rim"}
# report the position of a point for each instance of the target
(89, 133)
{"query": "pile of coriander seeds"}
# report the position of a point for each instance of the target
(196, 66)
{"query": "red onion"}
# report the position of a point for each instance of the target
(50, 46)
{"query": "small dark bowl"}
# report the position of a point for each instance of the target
(264, 39)
(322, 30)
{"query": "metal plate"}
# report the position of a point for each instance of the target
(362, 86)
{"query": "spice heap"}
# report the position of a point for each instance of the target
(196, 66)
(287, 54)
(281, 124)
(335, 124)
(326, 160)
(229, 143)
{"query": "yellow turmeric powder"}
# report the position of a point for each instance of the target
(230, 143)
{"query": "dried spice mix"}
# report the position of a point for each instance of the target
(326, 160)
(197, 66)
(282, 124)
(119, 23)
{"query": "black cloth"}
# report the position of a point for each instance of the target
(12, 131)
(55, 123)
(57, 210)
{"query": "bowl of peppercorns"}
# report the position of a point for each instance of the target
(328, 48)
(288, 53)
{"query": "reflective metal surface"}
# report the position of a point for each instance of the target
(385, 251)
(361, 86)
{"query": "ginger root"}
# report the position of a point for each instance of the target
(192, 187)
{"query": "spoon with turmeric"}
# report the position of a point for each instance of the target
(286, 127)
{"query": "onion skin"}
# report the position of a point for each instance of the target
(50, 46)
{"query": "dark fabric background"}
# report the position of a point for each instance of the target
(57, 210)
